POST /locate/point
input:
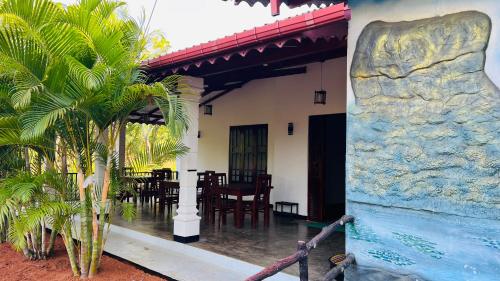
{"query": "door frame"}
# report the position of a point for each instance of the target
(322, 204)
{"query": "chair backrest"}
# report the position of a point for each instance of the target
(215, 182)
(262, 188)
(203, 175)
(221, 179)
(207, 176)
(158, 174)
(169, 174)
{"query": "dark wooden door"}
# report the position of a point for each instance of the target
(247, 153)
(326, 184)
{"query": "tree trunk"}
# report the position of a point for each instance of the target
(34, 245)
(70, 249)
(28, 252)
(95, 245)
(43, 243)
(39, 160)
(99, 228)
(146, 133)
(64, 161)
(52, 241)
(84, 231)
(27, 161)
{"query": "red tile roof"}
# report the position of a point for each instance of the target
(257, 38)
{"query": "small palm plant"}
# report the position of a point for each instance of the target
(29, 203)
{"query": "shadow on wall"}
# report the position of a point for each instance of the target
(424, 149)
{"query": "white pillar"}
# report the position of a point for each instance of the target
(187, 221)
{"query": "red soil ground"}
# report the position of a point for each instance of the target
(14, 267)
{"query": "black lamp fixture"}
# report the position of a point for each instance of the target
(208, 109)
(290, 129)
(320, 96)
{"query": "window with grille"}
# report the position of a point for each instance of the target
(247, 153)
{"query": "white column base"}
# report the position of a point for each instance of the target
(186, 229)
(187, 221)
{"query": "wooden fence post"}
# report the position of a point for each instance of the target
(301, 255)
(303, 262)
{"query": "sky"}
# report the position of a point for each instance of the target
(190, 22)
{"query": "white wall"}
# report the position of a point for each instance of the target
(276, 102)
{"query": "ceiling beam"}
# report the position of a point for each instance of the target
(220, 83)
(221, 94)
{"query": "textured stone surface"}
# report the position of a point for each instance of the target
(424, 132)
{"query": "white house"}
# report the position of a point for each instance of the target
(272, 100)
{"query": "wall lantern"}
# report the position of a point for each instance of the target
(208, 109)
(320, 96)
(290, 129)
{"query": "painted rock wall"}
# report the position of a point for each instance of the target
(423, 149)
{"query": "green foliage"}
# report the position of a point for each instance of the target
(151, 147)
(128, 211)
(157, 45)
(70, 77)
(27, 202)
(12, 160)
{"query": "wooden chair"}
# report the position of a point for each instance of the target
(260, 202)
(203, 190)
(151, 188)
(171, 195)
(220, 203)
(213, 193)
(199, 188)
(162, 178)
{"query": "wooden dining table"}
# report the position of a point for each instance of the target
(162, 188)
(135, 180)
(238, 190)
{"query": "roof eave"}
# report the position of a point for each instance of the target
(275, 4)
(279, 31)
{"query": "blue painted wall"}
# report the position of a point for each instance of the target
(423, 147)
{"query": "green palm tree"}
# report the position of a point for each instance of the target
(74, 74)
(151, 147)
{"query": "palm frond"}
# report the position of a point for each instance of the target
(162, 152)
